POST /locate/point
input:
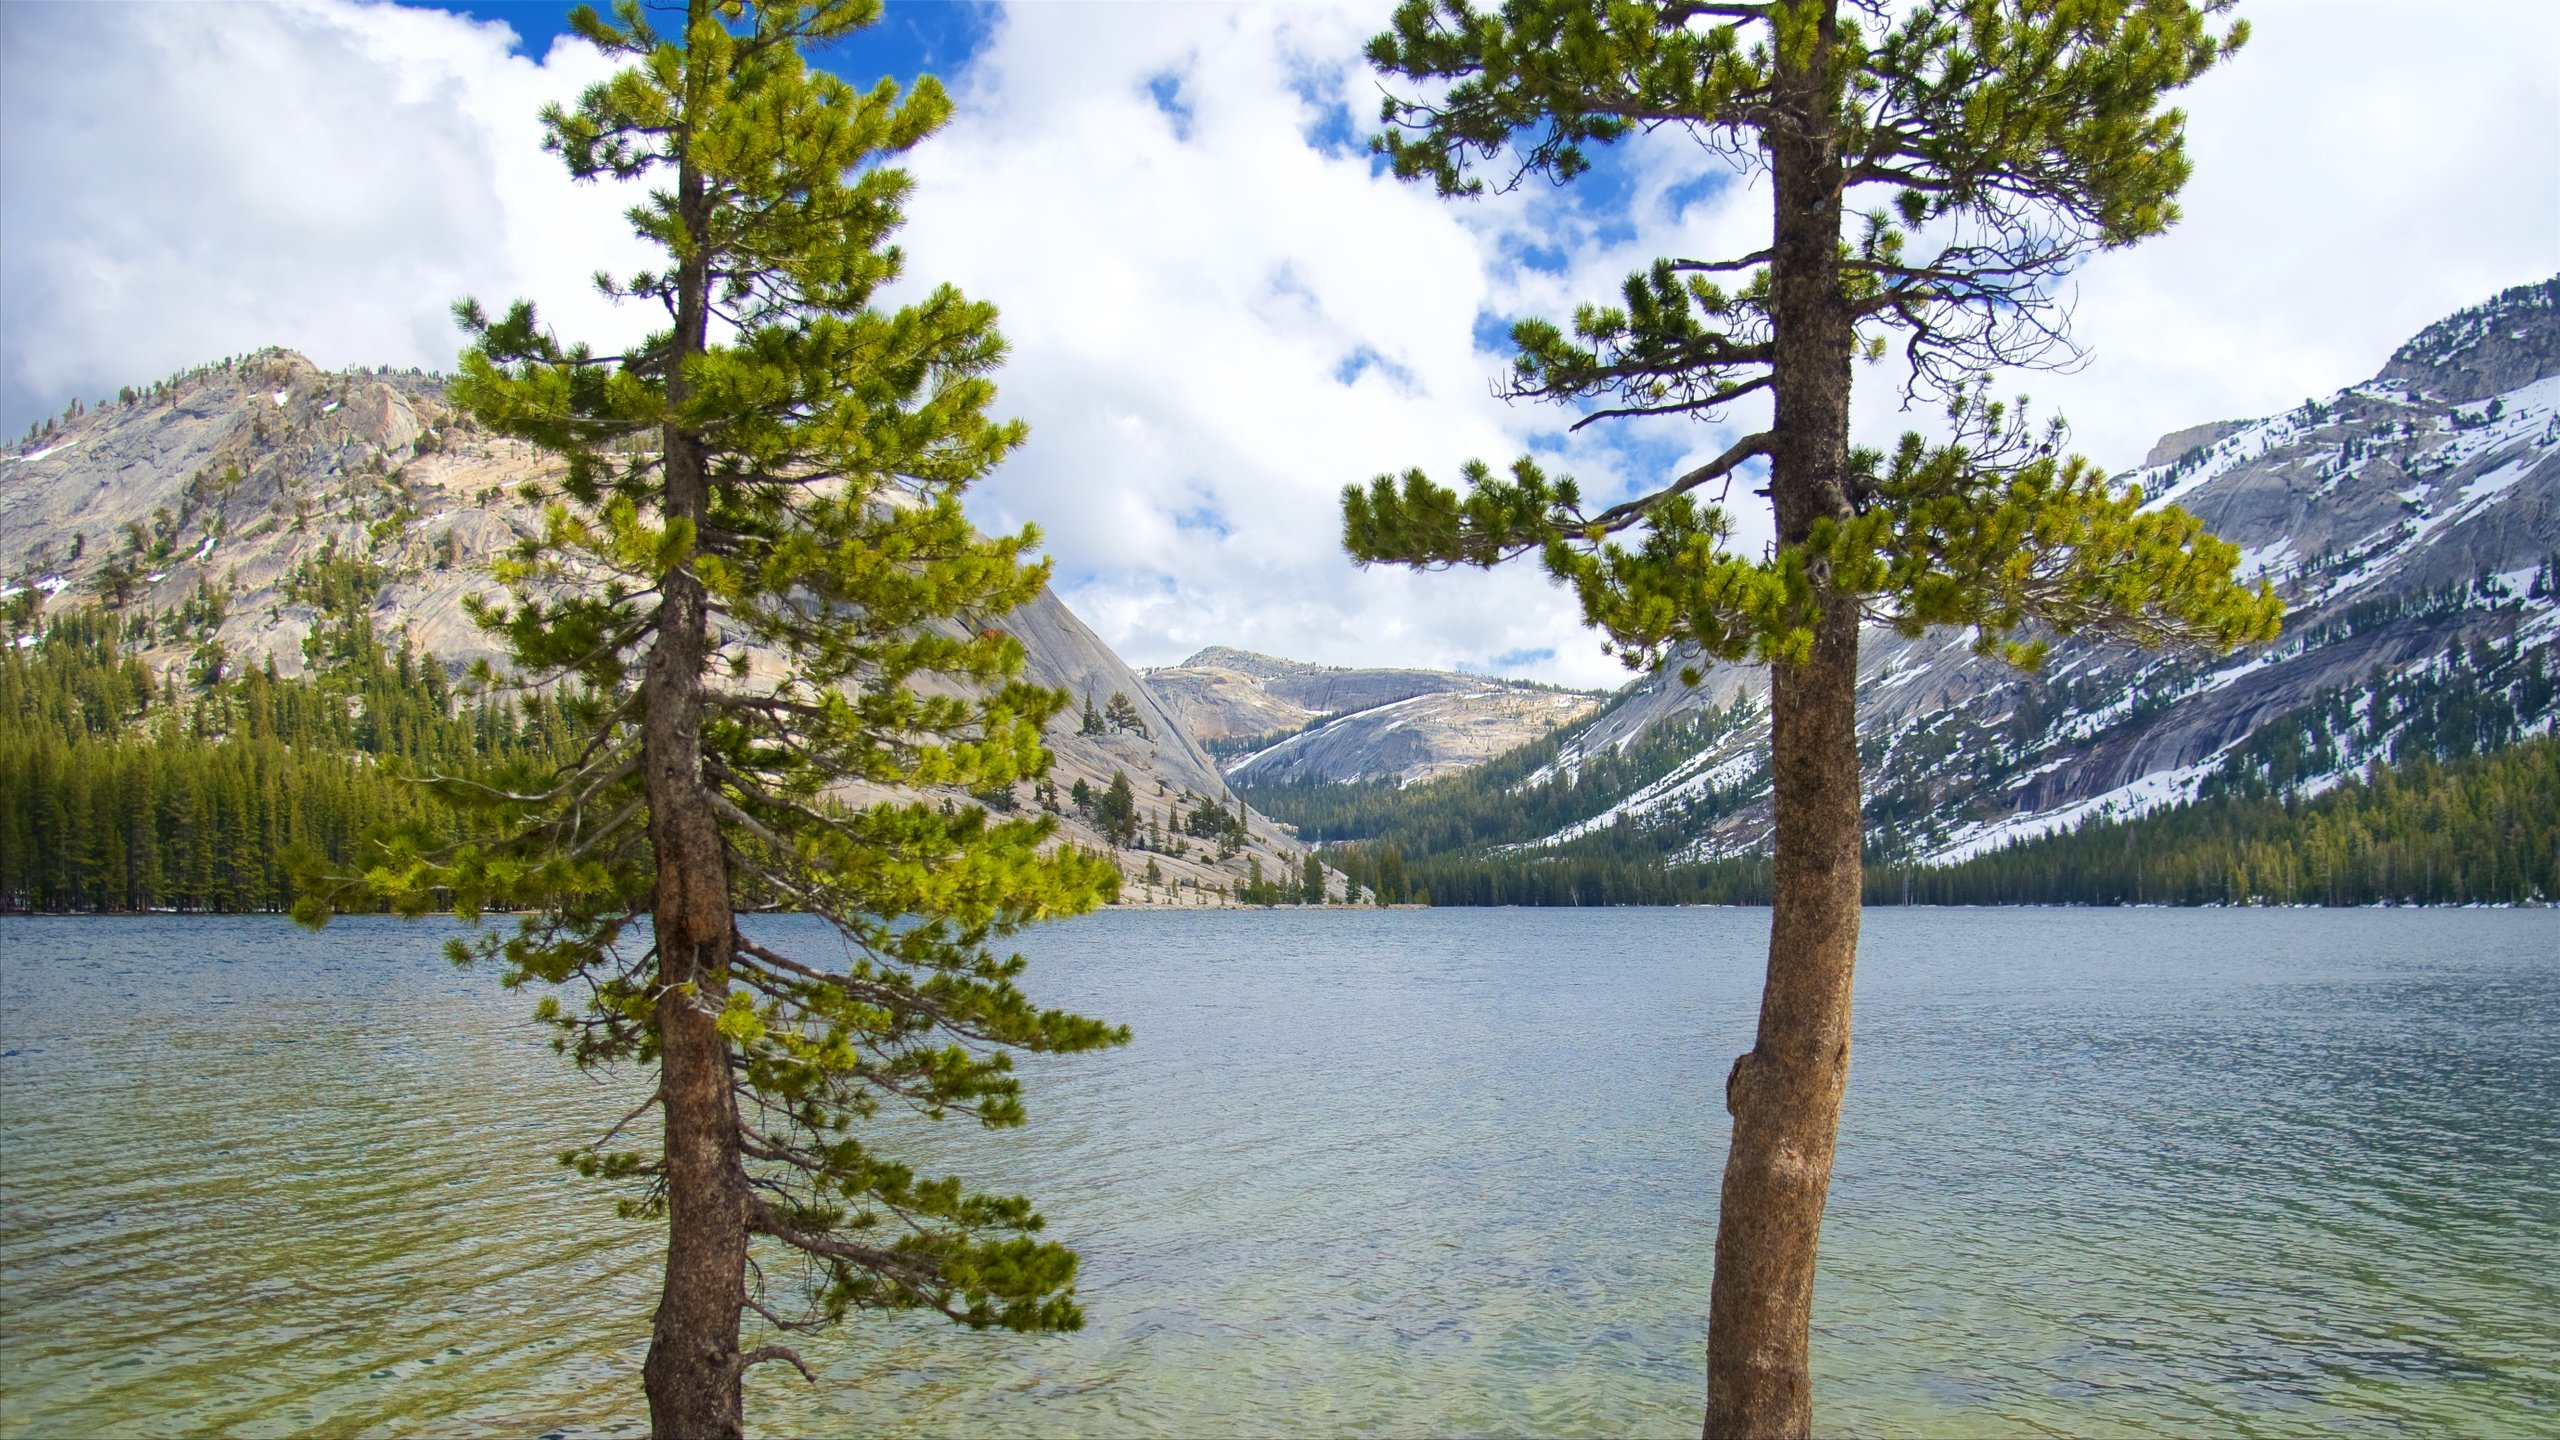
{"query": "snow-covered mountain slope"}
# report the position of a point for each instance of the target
(1284, 720)
(2411, 523)
(225, 502)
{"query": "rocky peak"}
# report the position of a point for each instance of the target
(1276, 720)
(2179, 443)
(1227, 657)
(2486, 350)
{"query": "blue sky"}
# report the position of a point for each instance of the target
(913, 36)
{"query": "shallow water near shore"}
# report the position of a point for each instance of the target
(2131, 1172)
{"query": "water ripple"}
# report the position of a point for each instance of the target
(2102, 1173)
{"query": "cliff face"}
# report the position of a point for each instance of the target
(1284, 720)
(236, 481)
(2412, 524)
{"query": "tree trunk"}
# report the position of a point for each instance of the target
(1785, 1093)
(692, 1373)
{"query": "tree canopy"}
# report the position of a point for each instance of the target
(2006, 141)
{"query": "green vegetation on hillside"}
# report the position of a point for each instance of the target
(2481, 829)
(1593, 875)
(2485, 828)
(1475, 838)
(129, 793)
(2473, 700)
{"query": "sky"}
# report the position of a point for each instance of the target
(1220, 311)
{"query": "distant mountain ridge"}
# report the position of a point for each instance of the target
(2412, 523)
(1285, 720)
(234, 491)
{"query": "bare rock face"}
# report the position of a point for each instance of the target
(1418, 738)
(245, 479)
(1285, 720)
(233, 476)
(2486, 350)
(2178, 442)
(385, 418)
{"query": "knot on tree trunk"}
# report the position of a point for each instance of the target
(1737, 1082)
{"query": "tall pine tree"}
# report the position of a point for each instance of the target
(755, 570)
(1933, 171)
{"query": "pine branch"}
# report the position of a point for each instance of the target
(1619, 517)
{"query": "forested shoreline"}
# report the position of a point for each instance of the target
(2485, 829)
(129, 792)
(135, 792)
(2480, 830)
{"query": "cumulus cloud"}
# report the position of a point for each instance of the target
(1220, 316)
(184, 182)
(1220, 313)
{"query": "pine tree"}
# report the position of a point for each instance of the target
(1121, 713)
(1933, 170)
(1116, 813)
(779, 469)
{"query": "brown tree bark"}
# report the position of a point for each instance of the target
(692, 1375)
(1784, 1093)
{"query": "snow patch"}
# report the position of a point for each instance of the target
(2517, 583)
(1238, 766)
(1690, 777)
(34, 456)
(2155, 791)
(2274, 559)
(2230, 673)
(2494, 483)
(2089, 722)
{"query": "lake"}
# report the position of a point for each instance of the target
(2103, 1172)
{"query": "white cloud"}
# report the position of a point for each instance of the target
(185, 182)
(1216, 325)
(2360, 171)
(1219, 314)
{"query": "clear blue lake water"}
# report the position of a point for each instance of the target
(2103, 1172)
